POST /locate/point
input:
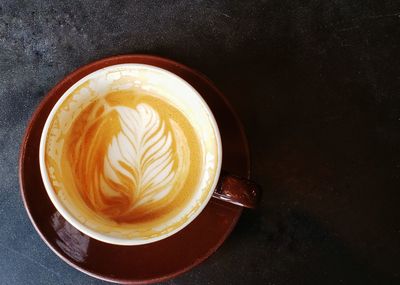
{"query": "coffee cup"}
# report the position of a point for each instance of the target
(131, 154)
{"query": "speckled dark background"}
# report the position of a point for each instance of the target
(317, 85)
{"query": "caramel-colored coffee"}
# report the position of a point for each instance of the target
(132, 158)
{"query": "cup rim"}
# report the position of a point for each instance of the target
(68, 216)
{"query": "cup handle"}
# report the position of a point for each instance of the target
(237, 190)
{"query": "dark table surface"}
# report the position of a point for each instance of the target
(317, 85)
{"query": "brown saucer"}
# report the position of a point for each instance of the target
(153, 262)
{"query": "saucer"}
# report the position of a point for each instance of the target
(152, 262)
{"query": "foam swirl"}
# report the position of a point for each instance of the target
(141, 152)
(142, 167)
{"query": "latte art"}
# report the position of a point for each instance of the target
(129, 162)
(142, 152)
(142, 167)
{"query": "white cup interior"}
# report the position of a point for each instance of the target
(162, 84)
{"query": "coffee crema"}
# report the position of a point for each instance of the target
(130, 156)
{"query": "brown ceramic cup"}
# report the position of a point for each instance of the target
(215, 183)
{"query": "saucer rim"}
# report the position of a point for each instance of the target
(119, 59)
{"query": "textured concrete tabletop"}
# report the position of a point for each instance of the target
(317, 85)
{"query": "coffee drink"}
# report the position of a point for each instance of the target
(126, 159)
(130, 155)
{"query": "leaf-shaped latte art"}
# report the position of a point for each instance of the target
(128, 162)
(142, 153)
(144, 165)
